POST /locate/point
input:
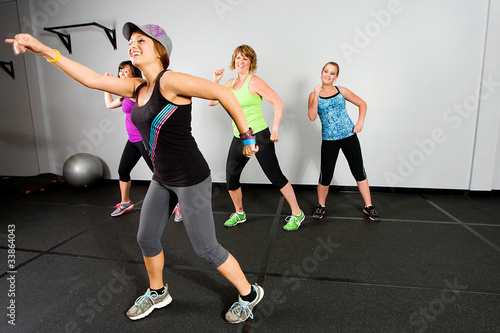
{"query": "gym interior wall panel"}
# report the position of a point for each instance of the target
(496, 171)
(42, 137)
(76, 117)
(17, 138)
(486, 165)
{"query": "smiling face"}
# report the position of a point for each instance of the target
(141, 49)
(244, 60)
(329, 74)
(242, 63)
(125, 72)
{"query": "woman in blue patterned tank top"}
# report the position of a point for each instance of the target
(338, 132)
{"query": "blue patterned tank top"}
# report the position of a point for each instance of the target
(335, 122)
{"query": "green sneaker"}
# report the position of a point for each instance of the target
(235, 219)
(293, 221)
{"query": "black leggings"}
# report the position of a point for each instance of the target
(130, 156)
(266, 156)
(352, 152)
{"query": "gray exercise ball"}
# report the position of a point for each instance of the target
(82, 170)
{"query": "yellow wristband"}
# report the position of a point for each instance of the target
(56, 58)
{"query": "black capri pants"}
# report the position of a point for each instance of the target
(266, 156)
(130, 156)
(329, 153)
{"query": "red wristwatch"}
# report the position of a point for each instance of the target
(247, 135)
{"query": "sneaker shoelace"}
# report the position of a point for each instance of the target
(296, 217)
(118, 205)
(235, 217)
(177, 211)
(238, 307)
(291, 218)
(151, 295)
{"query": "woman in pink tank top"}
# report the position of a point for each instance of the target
(134, 148)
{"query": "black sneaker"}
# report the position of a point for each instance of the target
(319, 212)
(371, 213)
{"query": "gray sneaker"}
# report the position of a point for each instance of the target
(121, 208)
(241, 310)
(146, 303)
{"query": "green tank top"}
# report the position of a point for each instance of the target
(252, 107)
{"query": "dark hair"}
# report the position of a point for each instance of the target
(136, 72)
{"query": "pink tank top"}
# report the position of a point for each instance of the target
(133, 133)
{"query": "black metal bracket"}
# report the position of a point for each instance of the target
(66, 38)
(10, 70)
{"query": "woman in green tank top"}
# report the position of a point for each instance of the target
(249, 90)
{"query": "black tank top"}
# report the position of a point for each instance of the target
(165, 129)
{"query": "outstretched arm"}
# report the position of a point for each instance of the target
(80, 73)
(312, 105)
(361, 104)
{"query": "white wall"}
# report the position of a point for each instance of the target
(496, 170)
(418, 64)
(484, 176)
(18, 154)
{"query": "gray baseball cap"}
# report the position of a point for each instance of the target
(152, 30)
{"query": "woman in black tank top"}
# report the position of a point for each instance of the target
(149, 50)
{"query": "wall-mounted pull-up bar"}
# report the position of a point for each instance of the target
(10, 70)
(66, 38)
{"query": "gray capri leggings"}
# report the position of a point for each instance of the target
(196, 208)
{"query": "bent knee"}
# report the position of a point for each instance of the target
(149, 247)
(233, 184)
(215, 256)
